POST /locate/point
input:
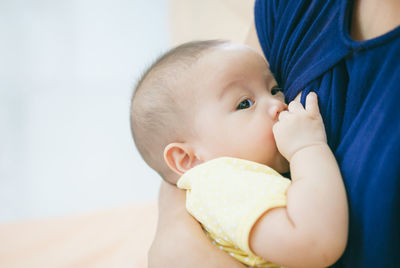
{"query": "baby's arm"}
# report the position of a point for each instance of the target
(312, 230)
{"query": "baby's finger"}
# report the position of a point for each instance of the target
(312, 103)
(295, 106)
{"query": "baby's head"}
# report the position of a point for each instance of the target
(204, 100)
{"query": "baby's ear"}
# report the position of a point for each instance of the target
(180, 157)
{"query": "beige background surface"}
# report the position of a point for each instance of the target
(112, 238)
(209, 19)
(119, 237)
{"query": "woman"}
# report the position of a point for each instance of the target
(349, 54)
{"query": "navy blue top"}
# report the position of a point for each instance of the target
(308, 46)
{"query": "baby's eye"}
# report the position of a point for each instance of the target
(275, 90)
(245, 104)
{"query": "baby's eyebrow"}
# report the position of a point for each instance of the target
(228, 87)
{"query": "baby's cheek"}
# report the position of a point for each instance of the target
(269, 135)
(264, 142)
(269, 144)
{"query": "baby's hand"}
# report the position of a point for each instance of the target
(298, 128)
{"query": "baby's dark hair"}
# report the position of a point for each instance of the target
(159, 111)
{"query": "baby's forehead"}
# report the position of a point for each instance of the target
(228, 57)
(230, 62)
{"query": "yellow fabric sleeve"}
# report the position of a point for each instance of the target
(228, 195)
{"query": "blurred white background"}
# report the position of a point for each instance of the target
(67, 69)
(73, 190)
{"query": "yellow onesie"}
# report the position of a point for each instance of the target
(227, 196)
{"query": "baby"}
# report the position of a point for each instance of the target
(209, 117)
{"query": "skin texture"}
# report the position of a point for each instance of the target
(372, 18)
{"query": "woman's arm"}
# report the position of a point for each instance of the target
(180, 240)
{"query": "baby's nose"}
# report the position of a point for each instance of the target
(276, 108)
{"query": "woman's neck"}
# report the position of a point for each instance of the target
(373, 18)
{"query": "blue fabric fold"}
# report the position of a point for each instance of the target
(308, 46)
